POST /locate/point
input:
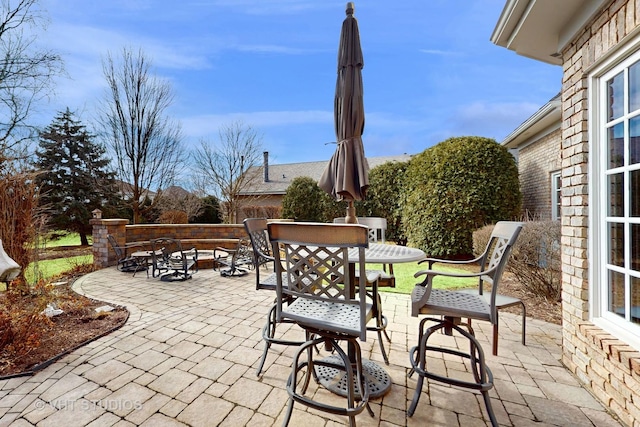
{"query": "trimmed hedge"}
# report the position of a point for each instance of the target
(456, 187)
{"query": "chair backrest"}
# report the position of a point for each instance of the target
(169, 251)
(117, 249)
(377, 227)
(314, 258)
(495, 257)
(257, 230)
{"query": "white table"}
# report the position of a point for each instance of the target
(380, 253)
(378, 380)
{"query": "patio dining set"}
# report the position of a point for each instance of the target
(169, 262)
(322, 284)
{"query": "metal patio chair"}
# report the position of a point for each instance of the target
(377, 230)
(170, 262)
(234, 262)
(377, 227)
(263, 259)
(312, 266)
(125, 262)
(452, 306)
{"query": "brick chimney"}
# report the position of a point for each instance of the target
(265, 166)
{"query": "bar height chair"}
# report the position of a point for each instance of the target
(257, 230)
(382, 278)
(312, 267)
(452, 306)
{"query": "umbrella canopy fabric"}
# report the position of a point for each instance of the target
(346, 176)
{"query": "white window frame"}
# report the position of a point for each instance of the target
(621, 59)
(556, 195)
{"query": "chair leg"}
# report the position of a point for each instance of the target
(495, 338)
(268, 335)
(481, 372)
(357, 392)
(524, 322)
(381, 326)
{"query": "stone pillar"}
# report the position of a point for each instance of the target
(103, 254)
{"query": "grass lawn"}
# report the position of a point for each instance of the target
(405, 281)
(63, 238)
(51, 267)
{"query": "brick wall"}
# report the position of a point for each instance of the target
(146, 232)
(535, 164)
(104, 256)
(603, 363)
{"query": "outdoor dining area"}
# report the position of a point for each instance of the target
(189, 352)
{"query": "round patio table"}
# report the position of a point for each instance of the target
(378, 380)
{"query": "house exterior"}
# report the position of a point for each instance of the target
(597, 44)
(537, 142)
(263, 198)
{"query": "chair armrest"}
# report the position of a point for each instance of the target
(433, 273)
(192, 253)
(432, 261)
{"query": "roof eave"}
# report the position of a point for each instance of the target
(547, 117)
(541, 29)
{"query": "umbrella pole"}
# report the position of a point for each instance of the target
(351, 213)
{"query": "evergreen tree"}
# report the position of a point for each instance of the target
(75, 178)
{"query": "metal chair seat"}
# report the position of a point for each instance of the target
(450, 303)
(330, 316)
(503, 301)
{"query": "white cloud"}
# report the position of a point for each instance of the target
(494, 120)
(440, 52)
(209, 124)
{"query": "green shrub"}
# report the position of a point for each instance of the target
(384, 197)
(535, 260)
(304, 200)
(456, 187)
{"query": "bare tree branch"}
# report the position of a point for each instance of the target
(222, 169)
(26, 71)
(146, 143)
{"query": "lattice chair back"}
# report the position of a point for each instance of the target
(495, 257)
(314, 258)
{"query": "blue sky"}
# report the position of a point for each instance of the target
(430, 71)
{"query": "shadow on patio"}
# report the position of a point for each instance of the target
(188, 355)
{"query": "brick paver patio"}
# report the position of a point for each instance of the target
(188, 355)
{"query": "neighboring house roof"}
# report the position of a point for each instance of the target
(541, 29)
(176, 192)
(126, 190)
(544, 121)
(280, 176)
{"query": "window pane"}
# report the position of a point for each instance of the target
(634, 87)
(558, 195)
(615, 99)
(615, 143)
(635, 247)
(616, 293)
(616, 195)
(616, 244)
(635, 300)
(634, 192)
(634, 140)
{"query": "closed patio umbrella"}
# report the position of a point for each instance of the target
(346, 176)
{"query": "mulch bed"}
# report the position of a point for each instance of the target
(77, 326)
